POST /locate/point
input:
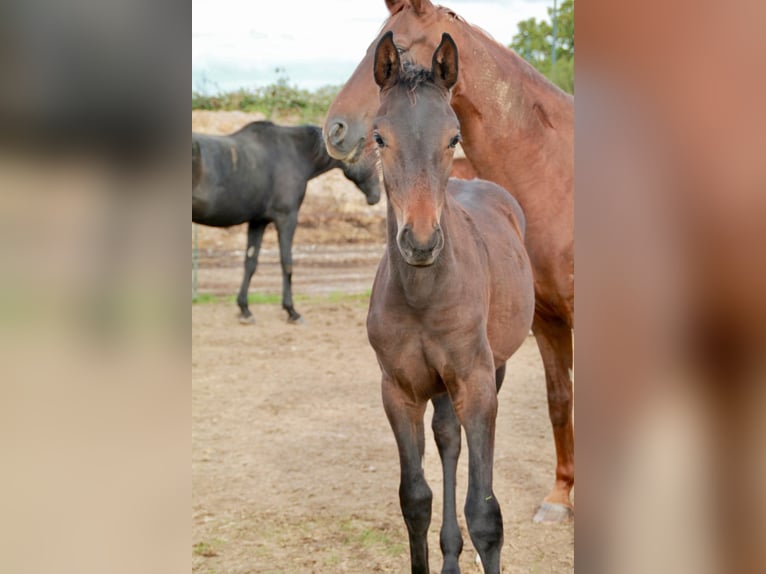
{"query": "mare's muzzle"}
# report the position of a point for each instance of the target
(420, 251)
(344, 142)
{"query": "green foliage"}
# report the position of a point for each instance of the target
(534, 39)
(277, 101)
(259, 298)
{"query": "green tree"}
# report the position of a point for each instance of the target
(533, 42)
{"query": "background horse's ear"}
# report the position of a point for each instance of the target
(394, 5)
(386, 61)
(444, 63)
(421, 6)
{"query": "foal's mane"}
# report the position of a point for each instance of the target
(412, 76)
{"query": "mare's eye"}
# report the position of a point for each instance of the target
(454, 141)
(378, 140)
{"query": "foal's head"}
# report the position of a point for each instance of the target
(416, 132)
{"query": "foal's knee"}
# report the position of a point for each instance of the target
(415, 498)
(485, 522)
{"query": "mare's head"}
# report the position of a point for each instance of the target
(416, 131)
(418, 26)
(364, 173)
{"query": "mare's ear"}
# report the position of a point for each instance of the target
(444, 63)
(394, 6)
(387, 62)
(421, 6)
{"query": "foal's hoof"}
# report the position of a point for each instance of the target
(551, 512)
(246, 320)
(296, 320)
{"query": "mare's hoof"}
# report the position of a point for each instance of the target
(296, 320)
(552, 512)
(246, 320)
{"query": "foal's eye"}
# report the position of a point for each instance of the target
(454, 141)
(378, 140)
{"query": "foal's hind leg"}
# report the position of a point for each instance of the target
(254, 236)
(554, 338)
(406, 419)
(446, 427)
(285, 231)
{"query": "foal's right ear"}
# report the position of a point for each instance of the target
(444, 63)
(387, 61)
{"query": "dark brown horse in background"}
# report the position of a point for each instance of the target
(518, 131)
(453, 298)
(258, 175)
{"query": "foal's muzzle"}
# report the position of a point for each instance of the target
(419, 252)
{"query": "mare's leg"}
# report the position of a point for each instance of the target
(406, 419)
(499, 377)
(286, 230)
(554, 338)
(254, 236)
(446, 427)
(475, 402)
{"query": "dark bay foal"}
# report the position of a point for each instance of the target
(452, 300)
(258, 175)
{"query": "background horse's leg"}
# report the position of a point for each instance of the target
(476, 406)
(254, 236)
(415, 495)
(446, 428)
(285, 231)
(554, 338)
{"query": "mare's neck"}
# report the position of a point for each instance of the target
(515, 123)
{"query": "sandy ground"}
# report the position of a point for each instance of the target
(294, 465)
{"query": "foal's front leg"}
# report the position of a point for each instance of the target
(475, 402)
(406, 419)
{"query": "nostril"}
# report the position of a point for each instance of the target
(337, 132)
(436, 239)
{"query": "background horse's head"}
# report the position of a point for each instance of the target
(416, 132)
(418, 27)
(364, 173)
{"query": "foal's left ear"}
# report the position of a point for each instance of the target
(444, 63)
(387, 61)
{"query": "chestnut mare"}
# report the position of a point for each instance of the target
(453, 298)
(518, 131)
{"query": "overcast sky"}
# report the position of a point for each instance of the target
(239, 43)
